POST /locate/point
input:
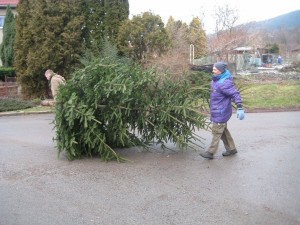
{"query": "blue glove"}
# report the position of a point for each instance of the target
(240, 113)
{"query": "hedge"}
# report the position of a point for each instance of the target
(7, 71)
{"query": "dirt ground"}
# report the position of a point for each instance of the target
(259, 185)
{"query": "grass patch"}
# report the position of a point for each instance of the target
(14, 104)
(271, 96)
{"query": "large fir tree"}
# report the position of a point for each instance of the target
(9, 32)
(113, 103)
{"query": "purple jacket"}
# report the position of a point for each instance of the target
(222, 92)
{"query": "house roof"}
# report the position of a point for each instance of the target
(243, 48)
(9, 2)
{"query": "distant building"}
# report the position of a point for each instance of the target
(295, 53)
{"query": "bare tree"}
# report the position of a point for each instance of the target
(227, 35)
(226, 18)
(175, 61)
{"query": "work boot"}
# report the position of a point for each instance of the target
(229, 152)
(207, 155)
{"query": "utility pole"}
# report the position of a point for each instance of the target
(192, 54)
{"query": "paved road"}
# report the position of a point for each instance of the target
(260, 185)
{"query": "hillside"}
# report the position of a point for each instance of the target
(288, 21)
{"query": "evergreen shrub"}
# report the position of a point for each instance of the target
(12, 104)
(7, 71)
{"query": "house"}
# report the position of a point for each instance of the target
(295, 54)
(3, 6)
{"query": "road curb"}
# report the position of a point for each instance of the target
(18, 113)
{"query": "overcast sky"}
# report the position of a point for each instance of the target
(252, 10)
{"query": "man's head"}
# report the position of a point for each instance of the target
(48, 74)
(219, 68)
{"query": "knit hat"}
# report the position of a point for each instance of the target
(221, 66)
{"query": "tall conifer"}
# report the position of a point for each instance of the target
(50, 38)
(56, 34)
(9, 32)
(197, 37)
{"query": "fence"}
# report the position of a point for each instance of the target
(9, 88)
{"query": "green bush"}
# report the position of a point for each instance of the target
(14, 104)
(6, 71)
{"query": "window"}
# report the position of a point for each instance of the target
(2, 21)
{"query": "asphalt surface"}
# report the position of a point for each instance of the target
(259, 185)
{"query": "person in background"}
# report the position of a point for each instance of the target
(55, 81)
(279, 60)
(222, 93)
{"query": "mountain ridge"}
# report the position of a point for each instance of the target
(289, 20)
